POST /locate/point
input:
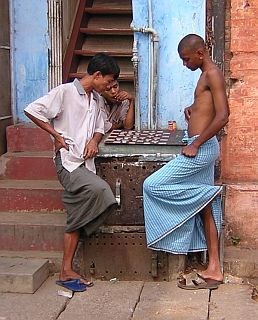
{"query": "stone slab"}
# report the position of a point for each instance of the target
(105, 300)
(165, 301)
(54, 257)
(22, 275)
(233, 302)
(42, 305)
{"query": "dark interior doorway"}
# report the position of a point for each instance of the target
(5, 74)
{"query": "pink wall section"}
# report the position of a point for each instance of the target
(240, 145)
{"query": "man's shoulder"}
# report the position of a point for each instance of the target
(214, 71)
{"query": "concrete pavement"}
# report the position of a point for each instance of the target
(127, 300)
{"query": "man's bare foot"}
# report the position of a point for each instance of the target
(215, 275)
(71, 275)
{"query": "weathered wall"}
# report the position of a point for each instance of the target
(172, 20)
(239, 147)
(30, 45)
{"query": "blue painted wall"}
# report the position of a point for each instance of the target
(172, 19)
(29, 53)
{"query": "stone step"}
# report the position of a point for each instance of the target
(31, 231)
(28, 166)
(30, 195)
(27, 137)
(22, 275)
(54, 258)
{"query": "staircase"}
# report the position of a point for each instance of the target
(32, 216)
(31, 211)
(101, 26)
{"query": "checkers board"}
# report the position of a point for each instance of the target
(146, 137)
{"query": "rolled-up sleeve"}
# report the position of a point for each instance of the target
(47, 107)
(100, 127)
(124, 109)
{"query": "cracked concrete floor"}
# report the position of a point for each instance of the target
(128, 300)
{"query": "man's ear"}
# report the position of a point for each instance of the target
(96, 75)
(200, 53)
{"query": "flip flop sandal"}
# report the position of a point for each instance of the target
(88, 284)
(198, 283)
(73, 285)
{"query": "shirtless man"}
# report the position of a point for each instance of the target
(181, 207)
(118, 108)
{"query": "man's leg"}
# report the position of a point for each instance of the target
(70, 244)
(213, 271)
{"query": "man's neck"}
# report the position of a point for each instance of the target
(86, 83)
(207, 64)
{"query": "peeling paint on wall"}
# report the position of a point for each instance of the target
(30, 53)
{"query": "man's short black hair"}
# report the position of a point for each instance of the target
(191, 42)
(105, 64)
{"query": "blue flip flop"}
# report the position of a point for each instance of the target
(73, 285)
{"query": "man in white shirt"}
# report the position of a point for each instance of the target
(71, 114)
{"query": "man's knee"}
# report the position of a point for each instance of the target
(148, 185)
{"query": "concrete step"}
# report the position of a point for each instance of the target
(54, 258)
(22, 275)
(27, 137)
(30, 195)
(28, 166)
(31, 231)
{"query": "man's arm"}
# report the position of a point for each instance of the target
(187, 112)
(129, 120)
(58, 139)
(215, 81)
(91, 148)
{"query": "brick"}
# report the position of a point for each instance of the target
(243, 5)
(245, 62)
(243, 35)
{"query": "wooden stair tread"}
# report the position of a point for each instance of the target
(113, 31)
(116, 53)
(109, 10)
(122, 77)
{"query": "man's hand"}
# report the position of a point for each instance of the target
(189, 151)
(187, 112)
(91, 149)
(123, 95)
(59, 143)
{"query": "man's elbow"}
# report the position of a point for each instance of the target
(28, 115)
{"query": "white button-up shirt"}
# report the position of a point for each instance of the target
(73, 114)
